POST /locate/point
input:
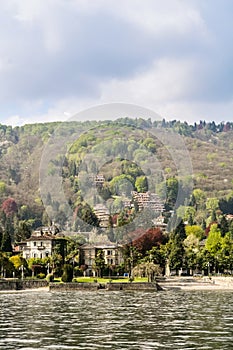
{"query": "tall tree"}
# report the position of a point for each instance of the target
(213, 245)
(224, 225)
(175, 252)
(6, 242)
(172, 186)
(99, 262)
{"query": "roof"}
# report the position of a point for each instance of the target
(100, 246)
(41, 238)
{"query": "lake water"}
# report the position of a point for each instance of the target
(116, 320)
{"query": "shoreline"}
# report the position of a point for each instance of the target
(192, 283)
(163, 284)
(13, 291)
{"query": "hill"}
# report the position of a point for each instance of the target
(129, 154)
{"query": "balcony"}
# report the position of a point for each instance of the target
(40, 247)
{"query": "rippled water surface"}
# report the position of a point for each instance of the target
(116, 320)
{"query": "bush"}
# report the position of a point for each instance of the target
(67, 273)
(41, 275)
(78, 272)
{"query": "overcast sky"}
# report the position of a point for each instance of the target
(58, 57)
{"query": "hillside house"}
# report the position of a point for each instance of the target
(99, 180)
(148, 200)
(102, 214)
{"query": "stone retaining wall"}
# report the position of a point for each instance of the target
(143, 286)
(21, 284)
(108, 286)
(8, 285)
(60, 287)
(29, 284)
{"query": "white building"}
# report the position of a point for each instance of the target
(39, 245)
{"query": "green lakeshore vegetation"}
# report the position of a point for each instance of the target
(122, 160)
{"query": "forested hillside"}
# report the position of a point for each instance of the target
(128, 155)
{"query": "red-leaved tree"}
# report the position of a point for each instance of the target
(9, 207)
(152, 237)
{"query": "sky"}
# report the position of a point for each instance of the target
(59, 57)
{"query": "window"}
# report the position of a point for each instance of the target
(34, 255)
(41, 255)
(41, 244)
(34, 244)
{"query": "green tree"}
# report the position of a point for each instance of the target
(195, 230)
(99, 264)
(6, 241)
(172, 186)
(150, 144)
(147, 269)
(6, 266)
(180, 230)
(67, 275)
(212, 204)
(187, 213)
(60, 248)
(18, 261)
(57, 263)
(175, 252)
(2, 188)
(226, 256)
(104, 192)
(213, 245)
(192, 248)
(198, 199)
(23, 230)
(141, 184)
(223, 225)
(88, 215)
(213, 242)
(121, 183)
(157, 255)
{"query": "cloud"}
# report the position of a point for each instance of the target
(58, 56)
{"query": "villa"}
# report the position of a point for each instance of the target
(41, 244)
(112, 254)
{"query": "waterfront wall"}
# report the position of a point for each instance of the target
(108, 286)
(143, 286)
(21, 284)
(60, 287)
